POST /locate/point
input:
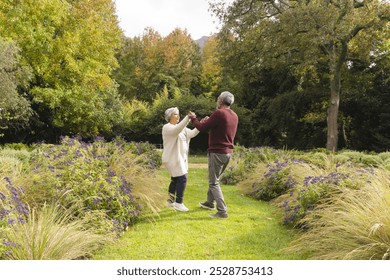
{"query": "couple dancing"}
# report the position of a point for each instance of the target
(222, 128)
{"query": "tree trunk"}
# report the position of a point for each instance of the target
(333, 112)
(335, 88)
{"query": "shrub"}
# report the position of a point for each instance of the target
(298, 187)
(385, 156)
(306, 196)
(245, 160)
(13, 207)
(362, 158)
(275, 182)
(22, 155)
(10, 165)
(92, 177)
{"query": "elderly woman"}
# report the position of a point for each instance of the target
(176, 141)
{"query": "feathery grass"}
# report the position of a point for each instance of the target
(354, 224)
(49, 234)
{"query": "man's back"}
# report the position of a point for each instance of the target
(222, 127)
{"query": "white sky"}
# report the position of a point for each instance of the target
(165, 15)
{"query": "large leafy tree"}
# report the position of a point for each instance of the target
(211, 74)
(150, 63)
(312, 39)
(140, 61)
(368, 91)
(182, 60)
(70, 46)
(15, 110)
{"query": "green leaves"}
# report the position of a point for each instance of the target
(151, 62)
(15, 109)
(70, 46)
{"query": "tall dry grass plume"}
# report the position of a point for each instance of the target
(354, 224)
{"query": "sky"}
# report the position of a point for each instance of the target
(166, 15)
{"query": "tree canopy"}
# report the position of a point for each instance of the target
(309, 38)
(305, 74)
(70, 47)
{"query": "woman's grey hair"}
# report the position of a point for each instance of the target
(168, 113)
(226, 98)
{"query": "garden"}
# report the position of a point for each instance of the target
(82, 107)
(106, 200)
(65, 201)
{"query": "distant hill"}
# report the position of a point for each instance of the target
(202, 41)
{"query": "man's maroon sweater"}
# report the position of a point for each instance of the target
(222, 127)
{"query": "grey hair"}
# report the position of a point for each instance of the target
(226, 98)
(168, 113)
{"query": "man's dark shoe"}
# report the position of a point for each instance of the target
(207, 205)
(219, 215)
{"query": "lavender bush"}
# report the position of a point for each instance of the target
(106, 184)
(87, 175)
(300, 182)
(245, 160)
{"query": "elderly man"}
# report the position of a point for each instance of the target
(222, 128)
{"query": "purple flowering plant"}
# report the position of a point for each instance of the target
(82, 175)
(245, 160)
(275, 181)
(13, 210)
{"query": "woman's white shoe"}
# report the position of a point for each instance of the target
(180, 207)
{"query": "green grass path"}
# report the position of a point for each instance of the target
(253, 230)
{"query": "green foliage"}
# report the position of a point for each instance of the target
(363, 158)
(130, 122)
(211, 74)
(71, 68)
(81, 110)
(91, 177)
(15, 110)
(22, 155)
(155, 63)
(245, 160)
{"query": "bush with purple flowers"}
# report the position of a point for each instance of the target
(273, 182)
(245, 160)
(13, 209)
(91, 176)
(300, 182)
(309, 194)
(106, 184)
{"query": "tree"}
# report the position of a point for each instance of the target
(211, 74)
(182, 60)
(140, 61)
(151, 62)
(307, 37)
(70, 47)
(15, 109)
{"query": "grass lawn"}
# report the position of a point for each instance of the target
(252, 231)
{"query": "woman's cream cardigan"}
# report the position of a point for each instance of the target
(176, 143)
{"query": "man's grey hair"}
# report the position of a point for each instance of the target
(168, 113)
(226, 98)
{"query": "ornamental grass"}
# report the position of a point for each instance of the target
(354, 224)
(50, 233)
